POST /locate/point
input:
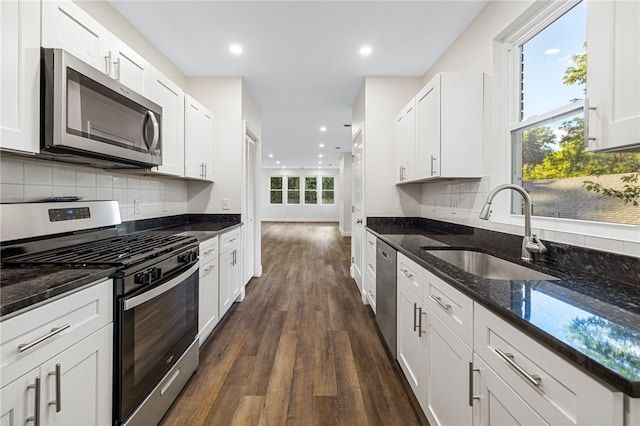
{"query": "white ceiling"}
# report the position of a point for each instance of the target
(300, 58)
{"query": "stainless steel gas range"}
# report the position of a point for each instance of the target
(155, 294)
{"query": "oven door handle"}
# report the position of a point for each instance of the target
(148, 295)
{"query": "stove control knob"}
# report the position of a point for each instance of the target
(143, 278)
(188, 256)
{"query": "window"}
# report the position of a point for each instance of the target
(311, 190)
(293, 190)
(276, 190)
(547, 129)
(327, 190)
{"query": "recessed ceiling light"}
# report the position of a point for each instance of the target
(551, 51)
(283, 167)
(321, 145)
(319, 162)
(236, 49)
(278, 162)
(319, 167)
(365, 50)
(320, 155)
(323, 129)
(270, 155)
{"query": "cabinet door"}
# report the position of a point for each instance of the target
(18, 400)
(401, 136)
(129, 68)
(448, 359)
(82, 374)
(65, 25)
(226, 282)
(496, 403)
(406, 141)
(171, 97)
(20, 75)
(613, 64)
(236, 275)
(192, 138)
(207, 145)
(208, 299)
(428, 130)
(412, 338)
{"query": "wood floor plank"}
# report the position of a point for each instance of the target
(301, 349)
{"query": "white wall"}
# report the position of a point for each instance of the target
(474, 51)
(299, 212)
(383, 98)
(344, 202)
(24, 180)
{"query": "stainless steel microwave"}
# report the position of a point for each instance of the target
(88, 117)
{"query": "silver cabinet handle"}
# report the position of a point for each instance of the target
(233, 239)
(471, 396)
(587, 110)
(415, 322)
(420, 313)
(370, 242)
(36, 406)
(57, 402)
(209, 268)
(440, 303)
(116, 66)
(407, 274)
(107, 64)
(25, 346)
(208, 252)
(534, 380)
(433, 171)
(205, 170)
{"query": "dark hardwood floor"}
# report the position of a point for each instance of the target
(301, 349)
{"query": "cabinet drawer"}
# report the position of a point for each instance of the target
(370, 289)
(412, 274)
(555, 389)
(230, 240)
(371, 241)
(209, 267)
(53, 327)
(208, 250)
(451, 306)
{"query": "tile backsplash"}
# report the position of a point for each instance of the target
(24, 180)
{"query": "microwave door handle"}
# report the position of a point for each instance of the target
(156, 131)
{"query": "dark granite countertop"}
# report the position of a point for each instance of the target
(24, 286)
(590, 315)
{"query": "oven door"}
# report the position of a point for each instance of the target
(154, 329)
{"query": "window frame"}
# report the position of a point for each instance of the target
(506, 86)
(281, 190)
(287, 177)
(316, 190)
(322, 190)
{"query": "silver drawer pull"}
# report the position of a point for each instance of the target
(24, 346)
(370, 242)
(208, 252)
(440, 303)
(36, 406)
(209, 268)
(534, 380)
(407, 274)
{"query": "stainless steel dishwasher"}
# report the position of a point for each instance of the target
(386, 293)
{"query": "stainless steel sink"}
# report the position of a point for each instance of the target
(487, 266)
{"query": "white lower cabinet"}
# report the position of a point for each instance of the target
(496, 403)
(412, 354)
(209, 289)
(468, 366)
(230, 270)
(57, 361)
(370, 271)
(447, 361)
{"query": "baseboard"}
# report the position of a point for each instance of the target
(343, 233)
(301, 219)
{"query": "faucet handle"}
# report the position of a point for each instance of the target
(535, 246)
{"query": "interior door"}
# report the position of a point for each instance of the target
(250, 203)
(357, 215)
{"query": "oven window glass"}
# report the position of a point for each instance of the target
(154, 335)
(97, 112)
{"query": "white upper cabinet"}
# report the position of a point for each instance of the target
(170, 97)
(613, 70)
(445, 138)
(65, 25)
(20, 75)
(129, 68)
(198, 140)
(406, 141)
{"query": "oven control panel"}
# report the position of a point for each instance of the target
(147, 276)
(71, 213)
(188, 256)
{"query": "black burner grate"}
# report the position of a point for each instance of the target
(111, 251)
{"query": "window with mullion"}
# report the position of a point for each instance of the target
(311, 190)
(293, 190)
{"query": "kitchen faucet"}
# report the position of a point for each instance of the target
(530, 243)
